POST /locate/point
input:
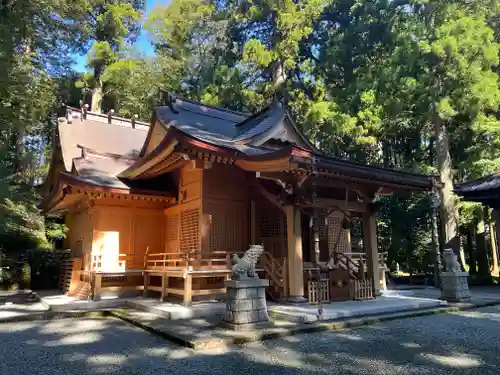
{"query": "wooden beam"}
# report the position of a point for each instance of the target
(267, 166)
(266, 194)
(282, 178)
(329, 203)
(163, 167)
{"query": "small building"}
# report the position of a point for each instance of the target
(486, 190)
(162, 207)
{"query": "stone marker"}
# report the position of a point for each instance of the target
(246, 306)
(454, 283)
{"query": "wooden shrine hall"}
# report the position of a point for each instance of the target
(161, 208)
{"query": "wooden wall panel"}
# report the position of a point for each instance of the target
(79, 236)
(190, 184)
(225, 182)
(228, 225)
(226, 209)
(148, 231)
(117, 219)
(137, 228)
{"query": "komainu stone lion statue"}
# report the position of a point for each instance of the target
(450, 261)
(244, 267)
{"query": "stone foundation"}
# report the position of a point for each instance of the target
(454, 286)
(246, 304)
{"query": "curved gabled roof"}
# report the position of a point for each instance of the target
(225, 126)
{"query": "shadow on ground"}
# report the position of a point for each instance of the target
(459, 343)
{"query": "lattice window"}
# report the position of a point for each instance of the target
(228, 226)
(172, 228)
(332, 236)
(272, 223)
(217, 227)
(190, 230)
(337, 237)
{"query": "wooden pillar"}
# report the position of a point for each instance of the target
(295, 262)
(495, 237)
(146, 283)
(371, 250)
(164, 287)
(188, 289)
(97, 286)
(494, 254)
(490, 220)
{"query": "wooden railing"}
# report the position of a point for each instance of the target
(278, 273)
(357, 262)
(104, 262)
(158, 261)
(355, 268)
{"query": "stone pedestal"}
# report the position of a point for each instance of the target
(246, 306)
(454, 286)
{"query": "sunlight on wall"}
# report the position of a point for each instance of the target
(106, 250)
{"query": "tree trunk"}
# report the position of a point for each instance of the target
(97, 91)
(448, 218)
(97, 97)
(279, 77)
(20, 149)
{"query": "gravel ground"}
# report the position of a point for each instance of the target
(461, 343)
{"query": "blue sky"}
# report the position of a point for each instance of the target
(142, 43)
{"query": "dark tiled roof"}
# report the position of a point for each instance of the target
(261, 124)
(375, 173)
(482, 185)
(213, 120)
(219, 126)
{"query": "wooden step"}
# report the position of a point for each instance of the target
(82, 291)
(65, 274)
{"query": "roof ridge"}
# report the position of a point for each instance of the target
(478, 180)
(253, 116)
(107, 117)
(87, 151)
(227, 110)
